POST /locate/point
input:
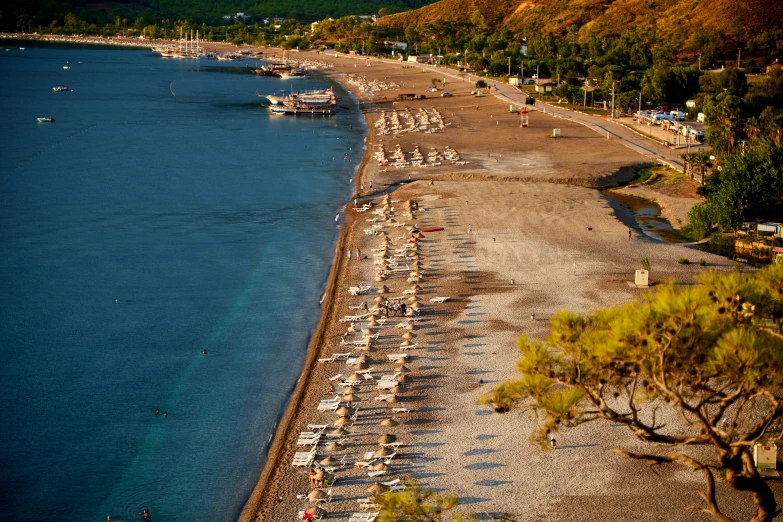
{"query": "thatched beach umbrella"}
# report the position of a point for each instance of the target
(383, 452)
(404, 378)
(379, 278)
(350, 389)
(342, 421)
(318, 494)
(416, 288)
(320, 474)
(387, 438)
(344, 411)
(392, 398)
(334, 446)
(395, 389)
(355, 377)
(380, 467)
(401, 368)
(372, 323)
(383, 289)
(389, 422)
(408, 335)
(368, 348)
(348, 397)
(379, 299)
(360, 366)
(403, 344)
(329, 461)
(375, 489)
(316, 511)
(410, 326)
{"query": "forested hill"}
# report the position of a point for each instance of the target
(21, 14)
(682, 24)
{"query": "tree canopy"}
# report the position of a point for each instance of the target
(693, 366)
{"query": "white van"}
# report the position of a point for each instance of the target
(659, 118)
(679, 116)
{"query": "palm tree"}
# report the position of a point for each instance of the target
(701, 161)
(687, 162)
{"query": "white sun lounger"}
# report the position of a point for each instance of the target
(363, 517)
(391, 483)
(308, 440)
(397, 356)
(395, 445)
(402, 409)
(384, 396)
(386, 385)
(337, 377)
(331, 406)
(399, 487)
(373, 474)
(318, 427)
(304, 458)
(366, 503)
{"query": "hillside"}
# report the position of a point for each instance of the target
(737, 22)
(26, 14)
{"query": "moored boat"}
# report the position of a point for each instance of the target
(59, 88)
(46, 119)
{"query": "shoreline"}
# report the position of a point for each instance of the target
(252, 506)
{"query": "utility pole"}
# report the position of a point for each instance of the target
(523, 71)
(536, 74)
(700, 61)
(639, 116)
(739, 53)
(509, 67)
(613, 100)
(584, 103)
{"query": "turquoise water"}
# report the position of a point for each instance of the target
(165, 212)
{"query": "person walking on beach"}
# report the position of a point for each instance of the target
(629, 234)
(350, 254)
(470, 228)
(358, 254)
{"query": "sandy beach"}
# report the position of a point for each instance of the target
(525, 234)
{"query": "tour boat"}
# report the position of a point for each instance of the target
(46, 119)
(59, 88)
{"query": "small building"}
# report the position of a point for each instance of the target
(775, 229)
(690, 104)
(545, 87)
(516, 81)
(419, 58)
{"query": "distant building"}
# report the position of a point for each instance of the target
(523, 49)
(396, 45)
(515, 81)
(419, 58)
(545, 87)
(690, 103)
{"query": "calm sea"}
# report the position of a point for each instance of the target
(164, 213)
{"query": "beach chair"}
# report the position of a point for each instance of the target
(304, 458)
(391, 483)
(308, 440)
(327, 359)
(386, 385)
(341, 356)
(364, 517)
(366, 504)
(439, 299)
(337, 377)
(395, 445)
(402, 409)
(317, 427)
(397, 356)
(399, 487)
(329, 406)
(373, 474)
(384, 396)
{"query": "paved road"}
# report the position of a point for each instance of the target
(603, 126)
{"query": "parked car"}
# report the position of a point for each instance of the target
(445, 94)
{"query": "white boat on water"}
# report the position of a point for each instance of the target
(59, 88)
(294, 73)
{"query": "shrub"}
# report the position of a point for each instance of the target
(702, 262)
(683, 261)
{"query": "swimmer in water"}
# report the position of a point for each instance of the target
(205, 351)
(157, 411)
(165, 414)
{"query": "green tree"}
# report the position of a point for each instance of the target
(710, 354)
(749, 186)
(731, 80)
(414, 504)
(723, 114)
(481, 84)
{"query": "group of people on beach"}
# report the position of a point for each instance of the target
(391, 308)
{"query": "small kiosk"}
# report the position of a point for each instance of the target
(765, 456)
